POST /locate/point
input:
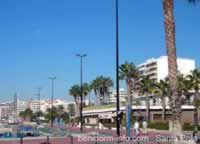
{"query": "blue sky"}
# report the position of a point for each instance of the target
(39, 38)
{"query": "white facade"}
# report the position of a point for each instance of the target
(35, 105)
(45, 104)
(123, 94)
(157, 69)
(5, 110)
(22, 106)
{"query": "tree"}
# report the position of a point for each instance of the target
(51, 113)
(163, 90)
(76, 92)
(86, 90)
(194, 79)
(27, 114)
(101, 87)
(65, 117)
(129, 73)
(106, 84)
(36, 116)
(58, 112)
(22, 115)
(147, 88)
(169, 22)
(71, 109)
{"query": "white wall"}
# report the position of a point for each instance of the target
(162, 68)
(185, 66)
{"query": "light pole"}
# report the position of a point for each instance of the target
(81, 56)
(52, 92)
(117, 70)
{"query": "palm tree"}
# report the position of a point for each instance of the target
(194, 78)
(71, 110)
(60, 109)
(86, 91)
(107, 83)
(169, 22)
(75, 91)
(184, 85)
(101, 86)
(129, 73)
(27, 114)
(147, 88)
(163, 90)
(95, 84)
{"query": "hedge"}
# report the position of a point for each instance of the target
(158, 126)
(189, 127)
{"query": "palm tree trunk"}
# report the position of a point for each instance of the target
(163, 109)
(89, 98)
(147, 108)
(168, 6)
(196, 109)
(98, 97)
(128, 109)
(77, 106)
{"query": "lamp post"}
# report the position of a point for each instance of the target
(117, 70)
(52, 97)
(81, 56)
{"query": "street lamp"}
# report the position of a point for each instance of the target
(52, 92)
(117, 70)
(81, 56)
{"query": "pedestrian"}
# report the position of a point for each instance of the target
(144, 125)
(136, 128)
(195, 137)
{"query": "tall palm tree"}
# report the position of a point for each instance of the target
(129, 73)
(147, 88)
(75, 91)
(163, 90)
(194, 78)
(106, 84)
(101, 86)
(86, 91)
(95, 84)
(169, 22)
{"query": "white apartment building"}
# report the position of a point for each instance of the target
(22, 105)
(35, 105)
(157, 68)
(123, 94)
(45, 104)
(5, 110)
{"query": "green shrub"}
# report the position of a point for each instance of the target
(158, 125)
(189, 127)
(155, 125)
(109, 125)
